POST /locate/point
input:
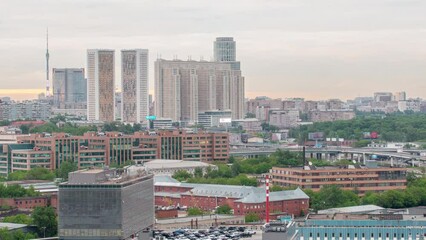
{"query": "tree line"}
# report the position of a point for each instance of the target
(391, 127)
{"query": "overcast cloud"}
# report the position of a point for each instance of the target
(301, 48)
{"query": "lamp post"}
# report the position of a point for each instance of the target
(44, 232)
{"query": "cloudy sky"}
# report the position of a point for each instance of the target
(287, 48)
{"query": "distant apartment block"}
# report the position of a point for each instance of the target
(383, 97)
(69, 88)
(134, 82)
(106, 204)
(185, 88)
(248, 124)
(100, 85)
(362, 179)
(96, 150)
(29, 109)
(284, 119)
(329, 116)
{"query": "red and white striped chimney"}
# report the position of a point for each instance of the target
(267, 199)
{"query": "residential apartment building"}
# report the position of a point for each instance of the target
(100, 85)
(106, 204)
(331, 115)
(284, 119)
(134, 82)
(69, 88)
(362, 179)
(185, 88)
(28, 109)
(96, 150)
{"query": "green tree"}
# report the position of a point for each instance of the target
(65, 168)
(194, 211)
(25, 129)
(198, 172)
(182, 175)
(224, 209)
(15, 235)
(19, 218)
(276, 188)
(45, 220)
(252, 217)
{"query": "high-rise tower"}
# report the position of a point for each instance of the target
(100, 85)
(134, 82)
(225, 51)
(47, 64)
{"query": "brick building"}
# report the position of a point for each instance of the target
(350, 177)
(242, 199)
(95, 149)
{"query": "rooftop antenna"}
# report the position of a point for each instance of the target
(47, 63)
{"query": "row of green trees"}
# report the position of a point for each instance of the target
(15, 235)
(44, 218)
(333, 197)
(392, 127)
(13, 191)
(43, 173)
(223, 175)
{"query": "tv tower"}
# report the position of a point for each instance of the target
(47, 63)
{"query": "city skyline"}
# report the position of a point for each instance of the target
(284, 53)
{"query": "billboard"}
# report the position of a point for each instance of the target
(225, 120)
(370, 135)
(316, 136)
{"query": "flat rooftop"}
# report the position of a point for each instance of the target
(162, 163)
(99, 176)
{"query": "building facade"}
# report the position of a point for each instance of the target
(134, 82)
(185, 88)
(96, 150)
(105, 204)
(69, 88)
(242, 199)
(225, 50)
(284, 118)
(100, 85)
(362, 179)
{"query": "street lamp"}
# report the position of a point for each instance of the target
(44, 232)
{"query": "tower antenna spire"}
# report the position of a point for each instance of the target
(47, 63)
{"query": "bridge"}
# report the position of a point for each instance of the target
(335, 153)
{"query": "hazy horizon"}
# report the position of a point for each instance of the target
(314, 50)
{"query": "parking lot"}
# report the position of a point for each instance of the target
(213, 233)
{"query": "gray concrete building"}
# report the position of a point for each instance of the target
(134, 82)
(106, 204)
(225, 50)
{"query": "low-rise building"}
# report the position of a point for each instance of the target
(170, 167)
(105, 204)
(242, 199)
(350, 177)
(332, 115)
(284, 119)
(248, 124)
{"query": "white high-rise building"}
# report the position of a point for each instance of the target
(100, 85)
(134, 82)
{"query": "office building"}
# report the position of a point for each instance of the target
(99, 149)
(215, 118)
(361, 178)
(185, 88)
(400, 96)
(69, 88)
(100, 85)
(134, 82)
(225, 50)
(106, 204)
